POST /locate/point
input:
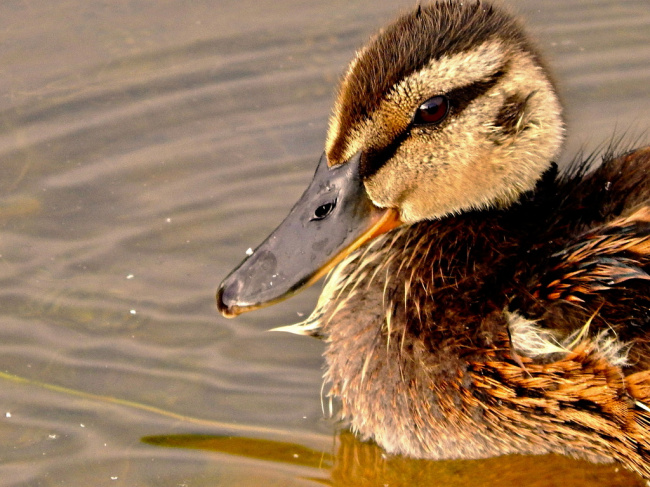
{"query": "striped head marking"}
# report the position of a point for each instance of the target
(451, 109)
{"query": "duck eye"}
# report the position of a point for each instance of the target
(323, 211)
(432, 111)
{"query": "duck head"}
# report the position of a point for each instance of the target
(448, 109)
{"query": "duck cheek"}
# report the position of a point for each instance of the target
(332, 218)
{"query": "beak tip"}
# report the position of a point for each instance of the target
(227, 310)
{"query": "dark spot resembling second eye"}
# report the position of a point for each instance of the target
(323, 211)
(432, 111)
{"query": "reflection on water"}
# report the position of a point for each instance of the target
(365, 465)
(145, 146)
(260, 449)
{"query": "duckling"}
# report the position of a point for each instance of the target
(479, 302)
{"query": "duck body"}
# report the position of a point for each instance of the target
(506, 331)
(479, 302)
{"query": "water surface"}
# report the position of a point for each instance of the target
(145, 147)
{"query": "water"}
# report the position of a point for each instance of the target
(145, 147)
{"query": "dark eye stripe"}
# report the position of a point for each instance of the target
(458, 98)
(461, 97)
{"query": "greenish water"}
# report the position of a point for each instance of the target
(145, 146)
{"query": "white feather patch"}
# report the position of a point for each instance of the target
(531, 340)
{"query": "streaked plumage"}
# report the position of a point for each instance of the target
(510, 311)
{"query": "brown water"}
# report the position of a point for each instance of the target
(145, 145)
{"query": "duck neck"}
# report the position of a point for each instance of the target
(406, 320)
